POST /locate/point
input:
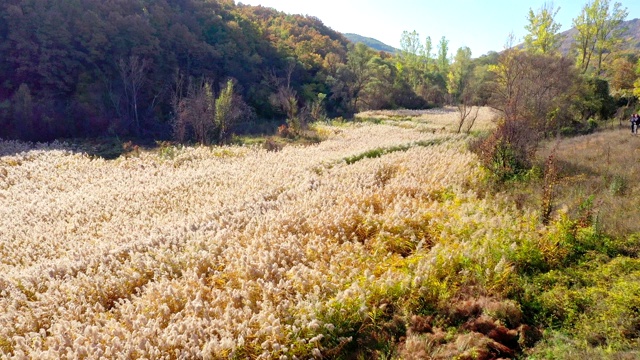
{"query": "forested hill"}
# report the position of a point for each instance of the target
(94, 67)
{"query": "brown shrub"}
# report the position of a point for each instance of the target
(421, 324)
(508, 151)
(528, 336)
(507, 311)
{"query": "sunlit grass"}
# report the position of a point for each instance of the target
(441, 119)
(380, 241)
(601, 169)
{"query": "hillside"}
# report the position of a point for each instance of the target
(370, 42)
(94, 68)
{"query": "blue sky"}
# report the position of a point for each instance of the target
(481, 25)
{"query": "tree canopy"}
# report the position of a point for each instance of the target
(542, 36)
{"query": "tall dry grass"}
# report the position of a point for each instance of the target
(241, 252)
(599, 173)
(441, 119)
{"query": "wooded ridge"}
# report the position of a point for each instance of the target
(89, 67)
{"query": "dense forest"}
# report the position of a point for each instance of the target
(88, 68)
(155, 69)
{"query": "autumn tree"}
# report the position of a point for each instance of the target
(529, 87)
(105, 67)
(636, 83)
(599, 32)
(534, 93)
(622, 74)
(542, 36)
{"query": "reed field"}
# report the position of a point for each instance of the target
(381, 241)
(444, 119)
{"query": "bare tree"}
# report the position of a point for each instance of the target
(133, 75)
(285, 97)
(468, 114)
(194, 112)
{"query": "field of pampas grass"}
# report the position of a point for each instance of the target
(378, 242)
(236, 251)
(441, 119)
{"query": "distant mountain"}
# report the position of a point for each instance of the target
(370, 42)
(631, 37)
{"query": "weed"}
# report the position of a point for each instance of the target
(618, 185)
(550, 181)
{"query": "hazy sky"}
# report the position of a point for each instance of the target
(482, 25)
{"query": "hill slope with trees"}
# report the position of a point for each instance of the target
(190, 70)
(86, 68)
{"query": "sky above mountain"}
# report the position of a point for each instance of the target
(481, 25)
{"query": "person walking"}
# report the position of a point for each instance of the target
(634, 124)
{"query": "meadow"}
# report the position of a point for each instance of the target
(384, 240)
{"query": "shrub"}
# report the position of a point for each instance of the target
(508, 152)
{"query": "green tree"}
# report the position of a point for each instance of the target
(598, 32)
(427, 54)
(460, 73)
(443, 56)
(461, 89)
(542, 36)
(378, 91)
(411, 57)
(224, 112)
(356, 74)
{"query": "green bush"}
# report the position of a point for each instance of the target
(568, 131)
